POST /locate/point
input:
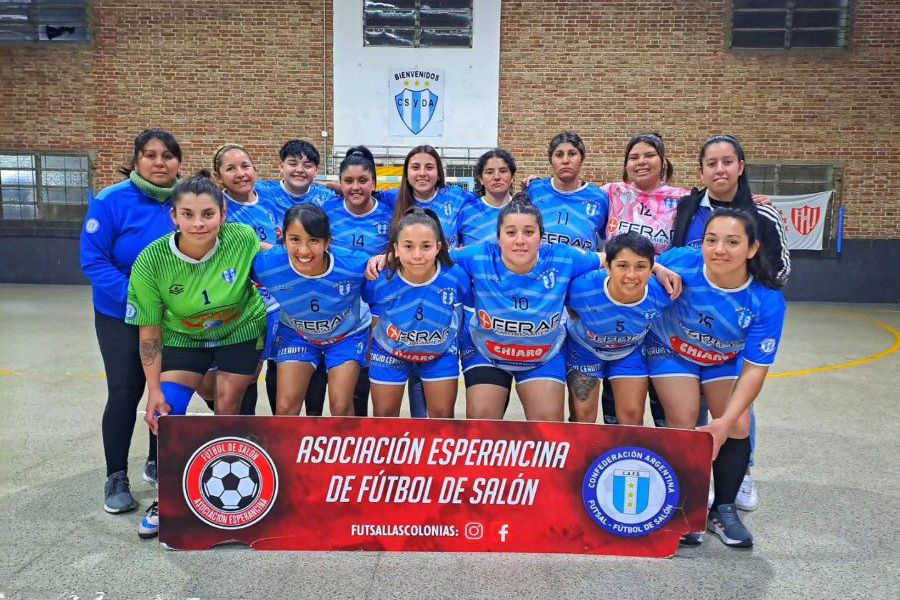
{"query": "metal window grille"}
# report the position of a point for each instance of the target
(418, 23)
(43, 21)
(44, 187)
(790, 23)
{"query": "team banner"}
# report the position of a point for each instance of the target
(314, 483)
(416, 102)
(804, 218)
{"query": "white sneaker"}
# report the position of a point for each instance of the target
(747, 498)
(712, 495)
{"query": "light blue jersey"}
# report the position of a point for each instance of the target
(417, 322)
(609, 329)
(708, 325)
(322, 309)
(478, 221)
(576, 218)
(518, 321)
(316, 194)
(368, 233)
(262, 215)
(447, 203)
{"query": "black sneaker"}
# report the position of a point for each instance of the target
(150, 473)
(725, 523)
(149, 526)
(691, 540)
(118, 494)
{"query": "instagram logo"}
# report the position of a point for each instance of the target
(474, 531)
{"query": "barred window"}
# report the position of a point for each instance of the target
(790, 23)
(43, 21)
(44, 187)
(791, 180)
(417, 23)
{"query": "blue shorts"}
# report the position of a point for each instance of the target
(289, 346)
(387, 369)
(581, 359)
(663, 362)
(554, 369)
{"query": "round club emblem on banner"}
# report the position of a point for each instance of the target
(630, 491)
(230, 483)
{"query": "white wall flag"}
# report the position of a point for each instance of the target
(804, 218)
(416, 102)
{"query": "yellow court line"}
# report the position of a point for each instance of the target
(853, 363)
(10, 373)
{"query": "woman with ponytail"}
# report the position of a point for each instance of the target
(121, 221)
(723, 172)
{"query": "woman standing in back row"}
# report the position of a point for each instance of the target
(121, 221)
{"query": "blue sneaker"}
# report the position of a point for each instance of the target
(149, 527)
(725, 523)
(117, 494)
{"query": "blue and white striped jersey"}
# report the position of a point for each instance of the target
(708, 325)
(263, 215)
(576, 218)
(518, 321)
(610, 329)
(417, 322)
(322, 309)
(368, 233)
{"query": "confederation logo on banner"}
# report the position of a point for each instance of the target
(417, 103)
(630, 491)
(230, 483)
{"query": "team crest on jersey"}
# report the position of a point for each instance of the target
(344, 287)
(651, 314)
(176, 288)
(382, 227)
(745, 317)
(549, 278)
(670, 203)
(229, 276)
(591, 209)
(767, 346)
(91, 225)
(130, 311)
(448, 296)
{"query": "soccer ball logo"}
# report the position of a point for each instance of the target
(230, 483)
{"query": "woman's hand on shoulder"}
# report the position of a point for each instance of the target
(762, 199)
(670, 280)
(374, 267)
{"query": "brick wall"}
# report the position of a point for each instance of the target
(253, 72)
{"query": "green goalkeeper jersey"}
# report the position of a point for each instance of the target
(199, 303)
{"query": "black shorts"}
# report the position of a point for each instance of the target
(240, 359)
(491, 375)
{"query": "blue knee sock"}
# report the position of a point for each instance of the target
(178, 396)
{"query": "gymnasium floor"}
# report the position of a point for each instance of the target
(827, 467)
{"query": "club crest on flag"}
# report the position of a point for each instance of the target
(805, 218)
(416, 107)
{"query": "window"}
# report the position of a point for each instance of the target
(791, 180)
(790, 23)
(43, 21)
(417, 23)
(44, 187)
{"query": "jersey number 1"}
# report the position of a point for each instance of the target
(206, 301)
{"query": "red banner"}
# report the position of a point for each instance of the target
(308, 483)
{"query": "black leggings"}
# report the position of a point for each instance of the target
(125, 385)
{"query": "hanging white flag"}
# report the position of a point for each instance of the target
(804, 218)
